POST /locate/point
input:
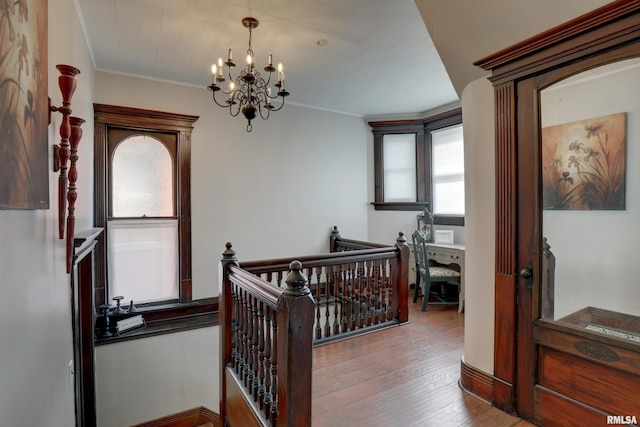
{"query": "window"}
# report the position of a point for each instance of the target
(142, 226)
(421, 163)
(143, 201)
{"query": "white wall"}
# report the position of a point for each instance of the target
(479, 153)
(144, 379)
(276, 191)
(35, 320)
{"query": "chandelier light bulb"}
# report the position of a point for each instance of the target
(249, 59)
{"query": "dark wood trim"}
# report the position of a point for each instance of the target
(190, 418)
(560, 33)
(108, 116)
(421, 128)
(448, 220)
(82, 321)
(475, 381)
(399, 206)
(505, 282)
(169, 318)
(605, 35)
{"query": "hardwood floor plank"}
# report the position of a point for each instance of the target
(401, 376)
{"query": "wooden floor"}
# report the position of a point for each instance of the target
(403, 376)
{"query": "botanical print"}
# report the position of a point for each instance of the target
(24, 173)
(583, 164)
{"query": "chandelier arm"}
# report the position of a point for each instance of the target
(226, 105)
(280, 107)
(262, 116)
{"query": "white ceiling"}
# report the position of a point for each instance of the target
(378, 60)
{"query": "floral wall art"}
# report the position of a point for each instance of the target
(583, 164)
(24, 173)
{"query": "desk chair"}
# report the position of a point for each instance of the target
(431, 274)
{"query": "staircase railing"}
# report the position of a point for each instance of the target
(268, 328)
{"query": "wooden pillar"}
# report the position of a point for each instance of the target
(401, 303)
(295, 347)
(225, 313)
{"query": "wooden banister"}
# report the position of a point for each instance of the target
(268, 328)
(267, 343)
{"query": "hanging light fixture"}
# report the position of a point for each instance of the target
(249, 92)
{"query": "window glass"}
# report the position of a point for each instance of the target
(143, 259)
(399, 160)
(142, 184)
(447, 145)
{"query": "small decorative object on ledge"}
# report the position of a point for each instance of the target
(248, 92)
(67, 83)
(425, 225)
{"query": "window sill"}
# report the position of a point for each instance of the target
(448, 220)
(166, 319)
(399, 206)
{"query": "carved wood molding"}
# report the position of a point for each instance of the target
(586, 22)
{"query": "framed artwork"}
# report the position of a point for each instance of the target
(584, 163)
(24, 106)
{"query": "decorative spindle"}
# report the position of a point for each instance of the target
(67, 83)
(72, 195)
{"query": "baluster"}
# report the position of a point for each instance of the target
(359, 301)
(327, 306)
(370, 303)
(267, 363)
(237, 341)
(259, 378)
(375, 279)
(274, 373)
(377, 303)
(337, 301)
(388, 308)
(257, 337)
(250, 342)
(319, 301)
(279, 276)
(245, 338)
(235, 328)
(352, 296)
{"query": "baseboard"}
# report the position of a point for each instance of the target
(190, 418)
(476, 382)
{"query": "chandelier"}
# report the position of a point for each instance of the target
(249, 92)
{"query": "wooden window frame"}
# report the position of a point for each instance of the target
(166, 316)
(424, 190)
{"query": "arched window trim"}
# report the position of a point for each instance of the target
(185, 313)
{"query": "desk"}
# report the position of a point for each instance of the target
(449, 254)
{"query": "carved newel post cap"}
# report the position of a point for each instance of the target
(401, 240)
(296, 280)
(229, 254)
(335, 232)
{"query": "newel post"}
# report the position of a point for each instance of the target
(401, 304)
(295, 347)
(335, 235)
(225, 301)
